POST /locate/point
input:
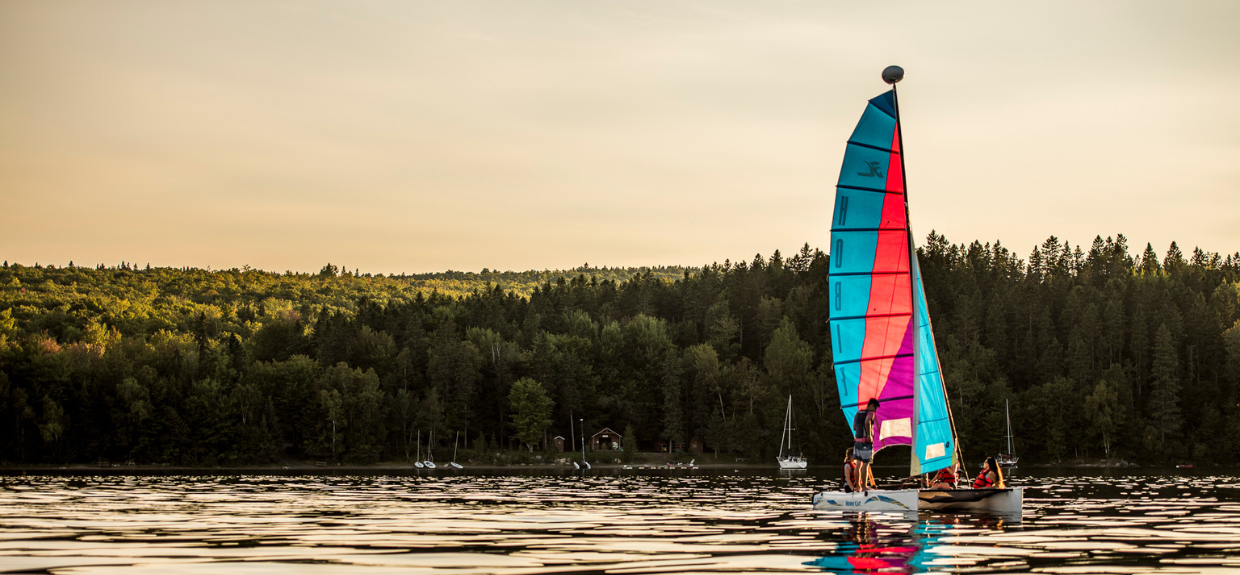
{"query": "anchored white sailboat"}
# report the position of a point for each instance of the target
(453, 464)
(882, 343)
(418, 462)
(1007, 460)
(789, 461)
(430, 459)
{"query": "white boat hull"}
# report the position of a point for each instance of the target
(996, 501)
(792, 463)
(1000, 501)
(904, 500)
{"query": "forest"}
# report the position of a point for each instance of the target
(1101, 353)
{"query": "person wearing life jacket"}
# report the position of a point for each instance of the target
(863, 437)
(991, 477)
(852, 483)
(850, 472)
(944, 479)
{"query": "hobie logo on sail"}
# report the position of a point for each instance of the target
(874, 171)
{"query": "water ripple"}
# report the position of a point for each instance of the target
(674, 522)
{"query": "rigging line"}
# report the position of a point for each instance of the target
(908, 223)
(913, 254)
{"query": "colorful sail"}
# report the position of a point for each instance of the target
(933, 446)
(881, 338)
(871, 296)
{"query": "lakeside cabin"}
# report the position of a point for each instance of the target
(605, 439)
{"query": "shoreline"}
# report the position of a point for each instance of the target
(9, 469)
(294, 468)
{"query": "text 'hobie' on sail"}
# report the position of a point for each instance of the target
(882, 343)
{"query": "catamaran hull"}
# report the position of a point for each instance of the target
(996, 501)
(999, 501)
(792, 464)
(904, 500)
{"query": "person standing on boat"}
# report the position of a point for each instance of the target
(991, 476)
(863, 436)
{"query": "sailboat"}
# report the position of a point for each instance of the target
(1007, 460)
(881, 337)
(418, 462)
(430, 459)
(789, 461)
(453, 464)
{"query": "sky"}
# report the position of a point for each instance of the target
(413, 137)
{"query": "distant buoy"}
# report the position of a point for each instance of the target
(893, 74)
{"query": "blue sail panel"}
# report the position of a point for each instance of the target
(875, 128)
(933, 446)
(847, 376)
(847, 336)
(850, 296)
(853, 252)
(858, 209)
(865, 167)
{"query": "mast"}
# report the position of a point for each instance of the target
(790, 425)
(785, 435)
(892, 75)
(1007, 415)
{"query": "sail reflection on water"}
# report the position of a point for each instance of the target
(876, 544)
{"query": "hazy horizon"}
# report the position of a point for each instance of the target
(419, 137)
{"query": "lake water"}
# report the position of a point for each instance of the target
(622, 522)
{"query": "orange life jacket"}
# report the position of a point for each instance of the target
(850, 474)
(983, 480)
(945, 475)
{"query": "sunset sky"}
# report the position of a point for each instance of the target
(422, 136)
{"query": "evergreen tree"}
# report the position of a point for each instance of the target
(531, 410)
(1164, 405)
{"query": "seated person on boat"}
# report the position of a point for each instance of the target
(863, 436)
(851, 483)
(991, 476)
(944, 479)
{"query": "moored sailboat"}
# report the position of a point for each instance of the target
(418, 462)
(789, 461)
(453, 464)
(1007, 460)
(882, 342)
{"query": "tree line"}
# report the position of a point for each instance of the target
(1100, 353)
